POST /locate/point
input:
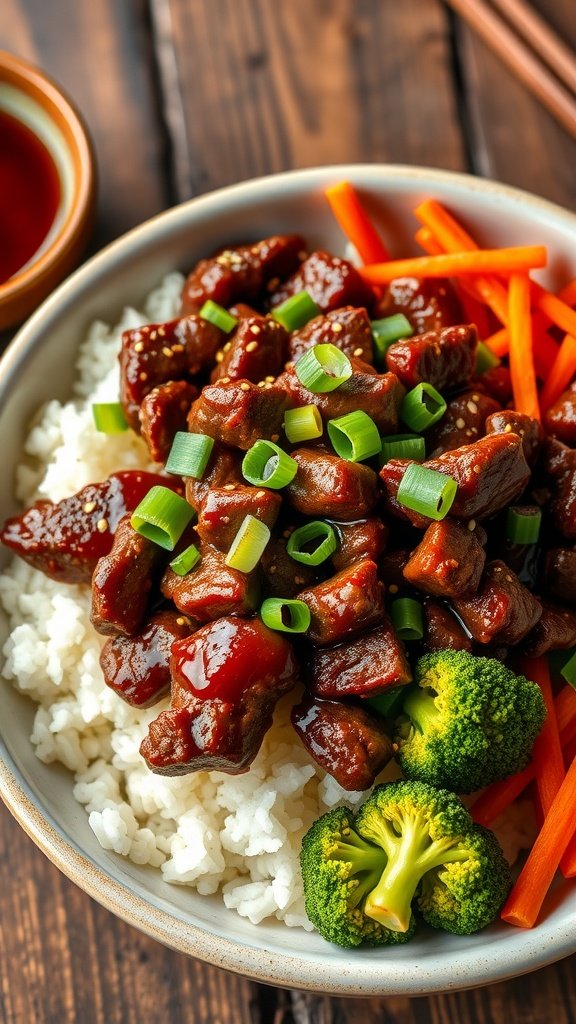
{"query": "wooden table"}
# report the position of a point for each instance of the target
(183, 96)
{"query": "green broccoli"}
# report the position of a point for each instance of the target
(467, 722)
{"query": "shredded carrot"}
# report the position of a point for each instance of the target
(561, 373)
(555, 307)
(522, 370)
(355, 223)
(428, 241)
(525, 901)
(547, 751)
(482, 261)
(568, 861)
(473, 304)
(499, 343)
(545, 348)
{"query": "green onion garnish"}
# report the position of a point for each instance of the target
(162, 516)
(385, 332)
(427, 491)
(296, 311)
(523, 524)
(354, 436)
(266, 465)
(285, 615)
(388, 703)
(568, 671)
(422, 407)
(185, 561)
(248, 545)
(407, 618)
(109, 417)
(189, 454)
(218, 316)
(323, 368)
(306, 535)
(485, 359)
(403, 446)
(303, 424)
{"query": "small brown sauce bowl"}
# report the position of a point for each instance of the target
(29, 97)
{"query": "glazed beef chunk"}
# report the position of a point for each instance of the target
(226, 680)
(225, 508)
(238, 413)
(65, 540)
(327, 486)
(560, 575)
(164, 412)
(508, 421)
(503, 610)
(224, 469)
(560, 467)
(429, 305)
(442, 630)
(347, 603)
(462, 423)
(445, 358)
(348, 742)
(363, 667)
(365, 538)
(257, 349)
(348, 328)
(124, 580)
(329, 280)
(560, 418)
(448, 562)
(378, 394)
(283, 577)
(555, 630)
(137, 668)
(212, 589)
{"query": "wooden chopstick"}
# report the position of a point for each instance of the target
(537, 32)
(519, 58)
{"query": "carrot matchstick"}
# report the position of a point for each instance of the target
(547, 755)
(355, 223)
(481, 261)
(522, 371)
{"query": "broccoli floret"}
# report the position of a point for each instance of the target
(339, 869)
(468, 722)
(438, 860)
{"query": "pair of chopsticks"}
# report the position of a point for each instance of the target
(530, 48)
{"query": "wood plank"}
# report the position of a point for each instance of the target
(276, 86)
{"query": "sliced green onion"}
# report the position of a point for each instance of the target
(406, 614)
(403, 446)
(323, 368)
(162, 516)
(296, 311)
(422, 407)
(523, 524)
(285, 615)
(354, 436)
(568, 671)
(218, 316)
(109, 417)
(189, 454)
(266, 465)
(185, 561)
(248, 545)
(389, 703)
(303, 424)
(485, 359)
(306, 535)
(385, 332)
(427, 491)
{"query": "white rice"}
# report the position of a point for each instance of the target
(239, 835)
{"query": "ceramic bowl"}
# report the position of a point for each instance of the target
(39, 104)
(39, 365)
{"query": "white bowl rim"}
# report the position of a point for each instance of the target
(526, 950)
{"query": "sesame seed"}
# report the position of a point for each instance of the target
(227, 346)
(261, 383)
(267, 385)
(475, 398)
(299, 579)
(251, 346)
(255, 329)
(153, 335)
(136, 335)
(180, 621)
(177, 348)
(472, 524)
(102, 525)
(168, 352)
(260, 494)
(460, 423)
(508, 428)
(244, 386)
(337, 328)
(468, 432)
(272, 569)
(224, 380)
(219, 356)
(472, 407)
(143, 375)
(393, 588)
(161, 332)
(139, 346)
(358, 352)
(269, 380)
(89, 506)
(229, 487)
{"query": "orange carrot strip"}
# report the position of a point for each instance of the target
(547, 751)
(355, 223)
(472, 302)
(561, 373)
(568, 861)
(482, 261)
(499, 343)
(545, 348)
(427, 240)
(565, 704)
(525, 901)
(524, 387)
(555, 308)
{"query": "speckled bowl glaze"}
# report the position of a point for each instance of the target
(39, 365)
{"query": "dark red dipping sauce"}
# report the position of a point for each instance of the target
(29, 194)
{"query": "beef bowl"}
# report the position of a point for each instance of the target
(88, 749)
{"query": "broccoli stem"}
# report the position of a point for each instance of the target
(421, 709)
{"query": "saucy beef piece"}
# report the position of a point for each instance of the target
(363, 667)
(348, 742)
(212, 589)
(123, 582)
(65, 540)
(225, 508)
(560, 574)
(347, 603)
(224, 468)
(283, 576)
(241, 273)
(377, 394)
(445, 358)
(448, 562)
(238, 413)
(137, 668)
(392, 569)
(462, 423)
(502, 610)
(347, 328)
(156, 353)
(163, 413)
(560, 418)
(257, 349)
(363, 539)
(429, 304)
(329, 280)
(495, 382)
(508, 421)
(490, 473)
(328, 486)
(226, 680)
(554, 631)
(559, 463)
(442, 630)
